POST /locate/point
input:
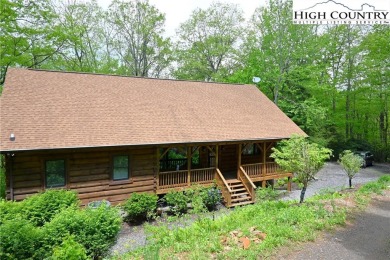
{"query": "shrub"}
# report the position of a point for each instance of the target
(42, 207)
(203, 199)
(266, 194)
(177, 200)
(69, 249)
(211, 197)
(95, 229)
(10, 210)
(140, 206)
(19, 239)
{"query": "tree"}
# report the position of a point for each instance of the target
(351, 164)
(138, 40)
(299, 156)
(207, 43)
(27, 36)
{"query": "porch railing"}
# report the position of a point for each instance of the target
(260, 169)
(175, 179)
(202, 176)
(172, 164)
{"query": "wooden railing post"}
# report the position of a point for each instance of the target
(189, 160)
(264, 170)
(216, 156)
(239, 159)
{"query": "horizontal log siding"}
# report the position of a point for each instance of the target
(228, 159)
(88, 172)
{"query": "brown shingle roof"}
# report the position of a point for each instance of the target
(48, 110)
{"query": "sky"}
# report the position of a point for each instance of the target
(178, 11)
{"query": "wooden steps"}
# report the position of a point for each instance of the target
(239, 195)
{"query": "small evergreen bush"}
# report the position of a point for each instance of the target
(141, 206)
(177, 200)
(69, 250)
(19, 239)
(42, 207)
(95, 229)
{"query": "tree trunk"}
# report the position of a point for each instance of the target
(350, 183)
(303, 191)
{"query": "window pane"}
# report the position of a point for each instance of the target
(121, 161)
(121, 168)
(121, 173)
(55, 173)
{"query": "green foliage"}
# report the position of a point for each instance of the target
(299, 156)
(203, 198)
(10, 210)
(42, 207)
(69, 250)
(266, 194)
(206, 43)
(375, 187)
(19, 239)
(281, 221)
(141, 206)
(177, 200)
(351, 163)
(95, 229)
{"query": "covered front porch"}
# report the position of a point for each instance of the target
(233, 167)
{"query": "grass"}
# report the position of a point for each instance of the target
(280, 222)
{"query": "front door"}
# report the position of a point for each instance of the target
(228, 161)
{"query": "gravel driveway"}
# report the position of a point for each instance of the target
(331, 176)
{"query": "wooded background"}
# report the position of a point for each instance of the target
(332, 80)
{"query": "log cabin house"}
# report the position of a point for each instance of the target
(109, 136)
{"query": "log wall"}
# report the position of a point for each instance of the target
(87, 171)
(228, 159)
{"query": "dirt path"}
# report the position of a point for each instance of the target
(367, 236)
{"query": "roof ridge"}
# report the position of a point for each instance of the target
(137, 77)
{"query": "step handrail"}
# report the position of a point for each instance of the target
(225, 189)
(247, 177)
(219, 174)
(244, 178)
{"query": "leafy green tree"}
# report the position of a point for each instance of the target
(299, 156)
(351, 164)
(28, 37)
(207, 42)
(80, 23)
(137, 39)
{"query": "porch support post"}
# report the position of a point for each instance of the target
(189, 159)
(264, 163)
(216, 156)
(239, 150)
(157, 167)
(289, 184)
